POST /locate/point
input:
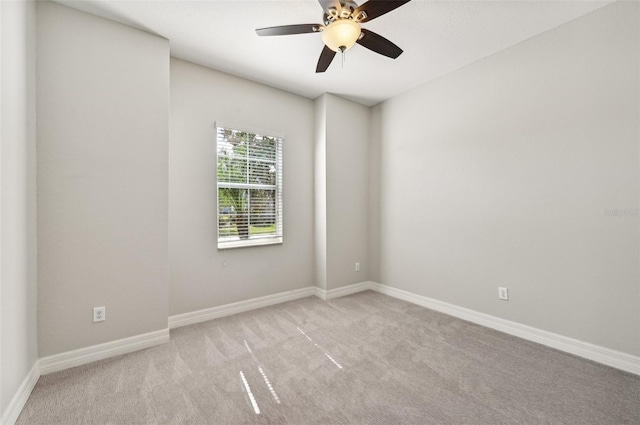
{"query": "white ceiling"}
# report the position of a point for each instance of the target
(437, 37)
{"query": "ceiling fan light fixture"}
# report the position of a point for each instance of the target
(341, 35)
(341, 30)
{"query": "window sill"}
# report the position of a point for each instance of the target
(249, 243)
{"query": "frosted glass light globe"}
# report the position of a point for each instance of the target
(340, 35)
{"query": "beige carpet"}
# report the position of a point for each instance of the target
(361, 359)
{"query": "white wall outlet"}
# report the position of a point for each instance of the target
(357, 267)
(503, 293)
(99, 314)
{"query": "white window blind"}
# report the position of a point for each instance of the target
(249, 188)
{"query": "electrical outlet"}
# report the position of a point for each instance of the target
(503, 293)
(99, 314)
(357, 267)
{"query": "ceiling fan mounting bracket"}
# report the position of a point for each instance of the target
(346, 10)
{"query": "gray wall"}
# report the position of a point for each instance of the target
(341, 166)
(347, 191)
(375, 118)
(198, 275)
(103, 117)
(320, 192)
(500, 174)
(18, 333)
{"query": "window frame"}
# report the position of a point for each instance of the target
(276, 239)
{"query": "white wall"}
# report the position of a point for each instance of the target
(500, 174)
(103, 118)
(18, 345)
(347, 191)
(198, 275)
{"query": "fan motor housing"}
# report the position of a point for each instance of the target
(347, 8)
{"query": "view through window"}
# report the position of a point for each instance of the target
(249, 188)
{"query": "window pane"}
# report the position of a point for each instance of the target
(263, 147)
(232, 169)
(242, 213)
(262, 173)
(263, 212)
(231, 205)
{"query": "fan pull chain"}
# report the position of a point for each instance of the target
(343, 58)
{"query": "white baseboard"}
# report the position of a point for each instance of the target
(206, 314)
(616, 359)
(102, 351)
(20, 398)
(342, 291)
(239, 307)
(589, 351)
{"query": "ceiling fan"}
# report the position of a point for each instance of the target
(341, 29)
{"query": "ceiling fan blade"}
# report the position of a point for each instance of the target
(325, 59)
(376, 8)
(289, 29)
(327, 5)
(379, 44)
